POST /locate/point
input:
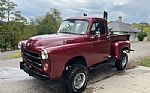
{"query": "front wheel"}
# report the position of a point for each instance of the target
(121, 63)
(75, 79)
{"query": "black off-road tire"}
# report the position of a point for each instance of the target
(69, 77)
(121, 63)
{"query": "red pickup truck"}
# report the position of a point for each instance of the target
(79, 44)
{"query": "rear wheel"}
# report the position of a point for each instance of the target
(121, 63)
(76, 78)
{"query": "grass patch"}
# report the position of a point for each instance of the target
(15, 55)
(145, 62)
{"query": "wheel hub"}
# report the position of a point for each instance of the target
(79, 80)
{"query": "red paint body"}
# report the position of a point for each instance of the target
(63, 47)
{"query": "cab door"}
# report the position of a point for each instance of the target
(100, 42)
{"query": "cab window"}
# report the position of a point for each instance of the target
(98, 28)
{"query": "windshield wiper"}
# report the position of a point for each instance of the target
(69, 33)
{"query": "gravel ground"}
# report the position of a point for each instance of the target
(142, 49)
(6, 62)
(13, 80)
(132, 81)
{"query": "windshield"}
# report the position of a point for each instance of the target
(73, 27)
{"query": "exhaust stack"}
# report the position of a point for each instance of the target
(105, 16)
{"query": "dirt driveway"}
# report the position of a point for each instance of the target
(13, 80)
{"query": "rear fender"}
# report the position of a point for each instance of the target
(118, 47)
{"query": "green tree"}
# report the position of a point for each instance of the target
(141, 36)
(17, 26)
(14, 27)
(10, 7)
(11, 30)
(144, 27)
(2, 9)
(6, 9)
(49, 23)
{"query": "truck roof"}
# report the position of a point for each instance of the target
(87, 18)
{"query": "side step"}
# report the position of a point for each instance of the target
(102, 64)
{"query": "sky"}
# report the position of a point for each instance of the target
(131, 10)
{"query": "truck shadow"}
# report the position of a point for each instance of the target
(38, 86)
(97, 74)
(102, 71)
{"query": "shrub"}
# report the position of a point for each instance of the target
(141, 36)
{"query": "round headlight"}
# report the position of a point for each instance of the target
(19, 45)
(44, 54)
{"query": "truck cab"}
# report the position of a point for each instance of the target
(80, 43)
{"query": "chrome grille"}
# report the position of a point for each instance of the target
(32, 58)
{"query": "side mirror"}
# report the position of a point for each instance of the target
(97, 34)
(110, 29)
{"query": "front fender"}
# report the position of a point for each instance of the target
(60, 55)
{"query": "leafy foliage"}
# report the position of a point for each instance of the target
(14, 27)
(144, 27)
(141, 36)
(7, 9)
(49, 23)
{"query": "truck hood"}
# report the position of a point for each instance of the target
(53, 40)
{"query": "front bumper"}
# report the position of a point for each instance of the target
(32, 72)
